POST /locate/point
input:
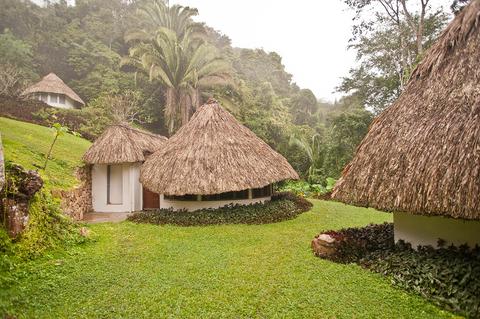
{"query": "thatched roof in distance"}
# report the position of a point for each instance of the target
(213, 153)
(422, 154)
(121, 143)
(51, 83)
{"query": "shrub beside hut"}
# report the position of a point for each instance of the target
(421, 156)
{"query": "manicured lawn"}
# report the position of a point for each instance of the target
(27, 144)
(233, 271)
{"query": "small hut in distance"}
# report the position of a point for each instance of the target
(421, 156)
(213, 161)
(53, 91)
(116, 157)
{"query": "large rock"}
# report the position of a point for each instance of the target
(20, 186)
(323, 245)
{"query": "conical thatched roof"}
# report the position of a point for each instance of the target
(122, 143)
(51, 83)
(422, 154)
(211, 154)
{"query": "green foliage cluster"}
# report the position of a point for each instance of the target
(448, 276)
(283, 206)
(48, 229)
(354, 244)
(305, 189)
(390, 39)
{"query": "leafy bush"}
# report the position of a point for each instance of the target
(353, 244)
(305, 189)
(282, 207)
(48, 228)
(449, 277)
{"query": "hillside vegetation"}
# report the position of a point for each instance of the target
(223, 271)
(27, 144)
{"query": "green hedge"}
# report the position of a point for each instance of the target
(448, 276)
(283, 206)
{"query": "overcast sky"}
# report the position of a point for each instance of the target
(310, 35)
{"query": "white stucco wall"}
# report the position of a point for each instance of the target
(426, 230)
(194, 205)
(69, 103)
(131, 189)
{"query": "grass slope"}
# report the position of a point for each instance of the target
(27, 144)
(229, 271)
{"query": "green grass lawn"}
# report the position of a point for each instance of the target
(27, 144)
(229, 271)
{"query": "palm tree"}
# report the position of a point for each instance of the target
(171, 49)
(314, 151)
(157, 13)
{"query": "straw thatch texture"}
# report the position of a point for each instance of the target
(51, 83)
(422, 154)
(211, 154)
(122, 143)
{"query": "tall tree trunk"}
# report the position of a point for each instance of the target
(185, 104)
(196, 99)
(170, 111)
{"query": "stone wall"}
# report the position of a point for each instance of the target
(78, 201)
(20, 187)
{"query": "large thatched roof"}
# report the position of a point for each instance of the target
(122, 143)
(51, 83)
(422, 154)
(211, 154)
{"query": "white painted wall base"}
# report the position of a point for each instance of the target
(131, 199)
(195, 205)
(426, 230)
(53, 100)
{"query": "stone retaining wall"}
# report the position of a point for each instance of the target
(78, 201)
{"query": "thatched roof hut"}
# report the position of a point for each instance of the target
(121, 143)
(422, 154)
(213, 153)
(51, 83)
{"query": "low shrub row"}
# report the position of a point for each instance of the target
(306, 189)
(353, 244)
(283, 206)
(448, 276)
